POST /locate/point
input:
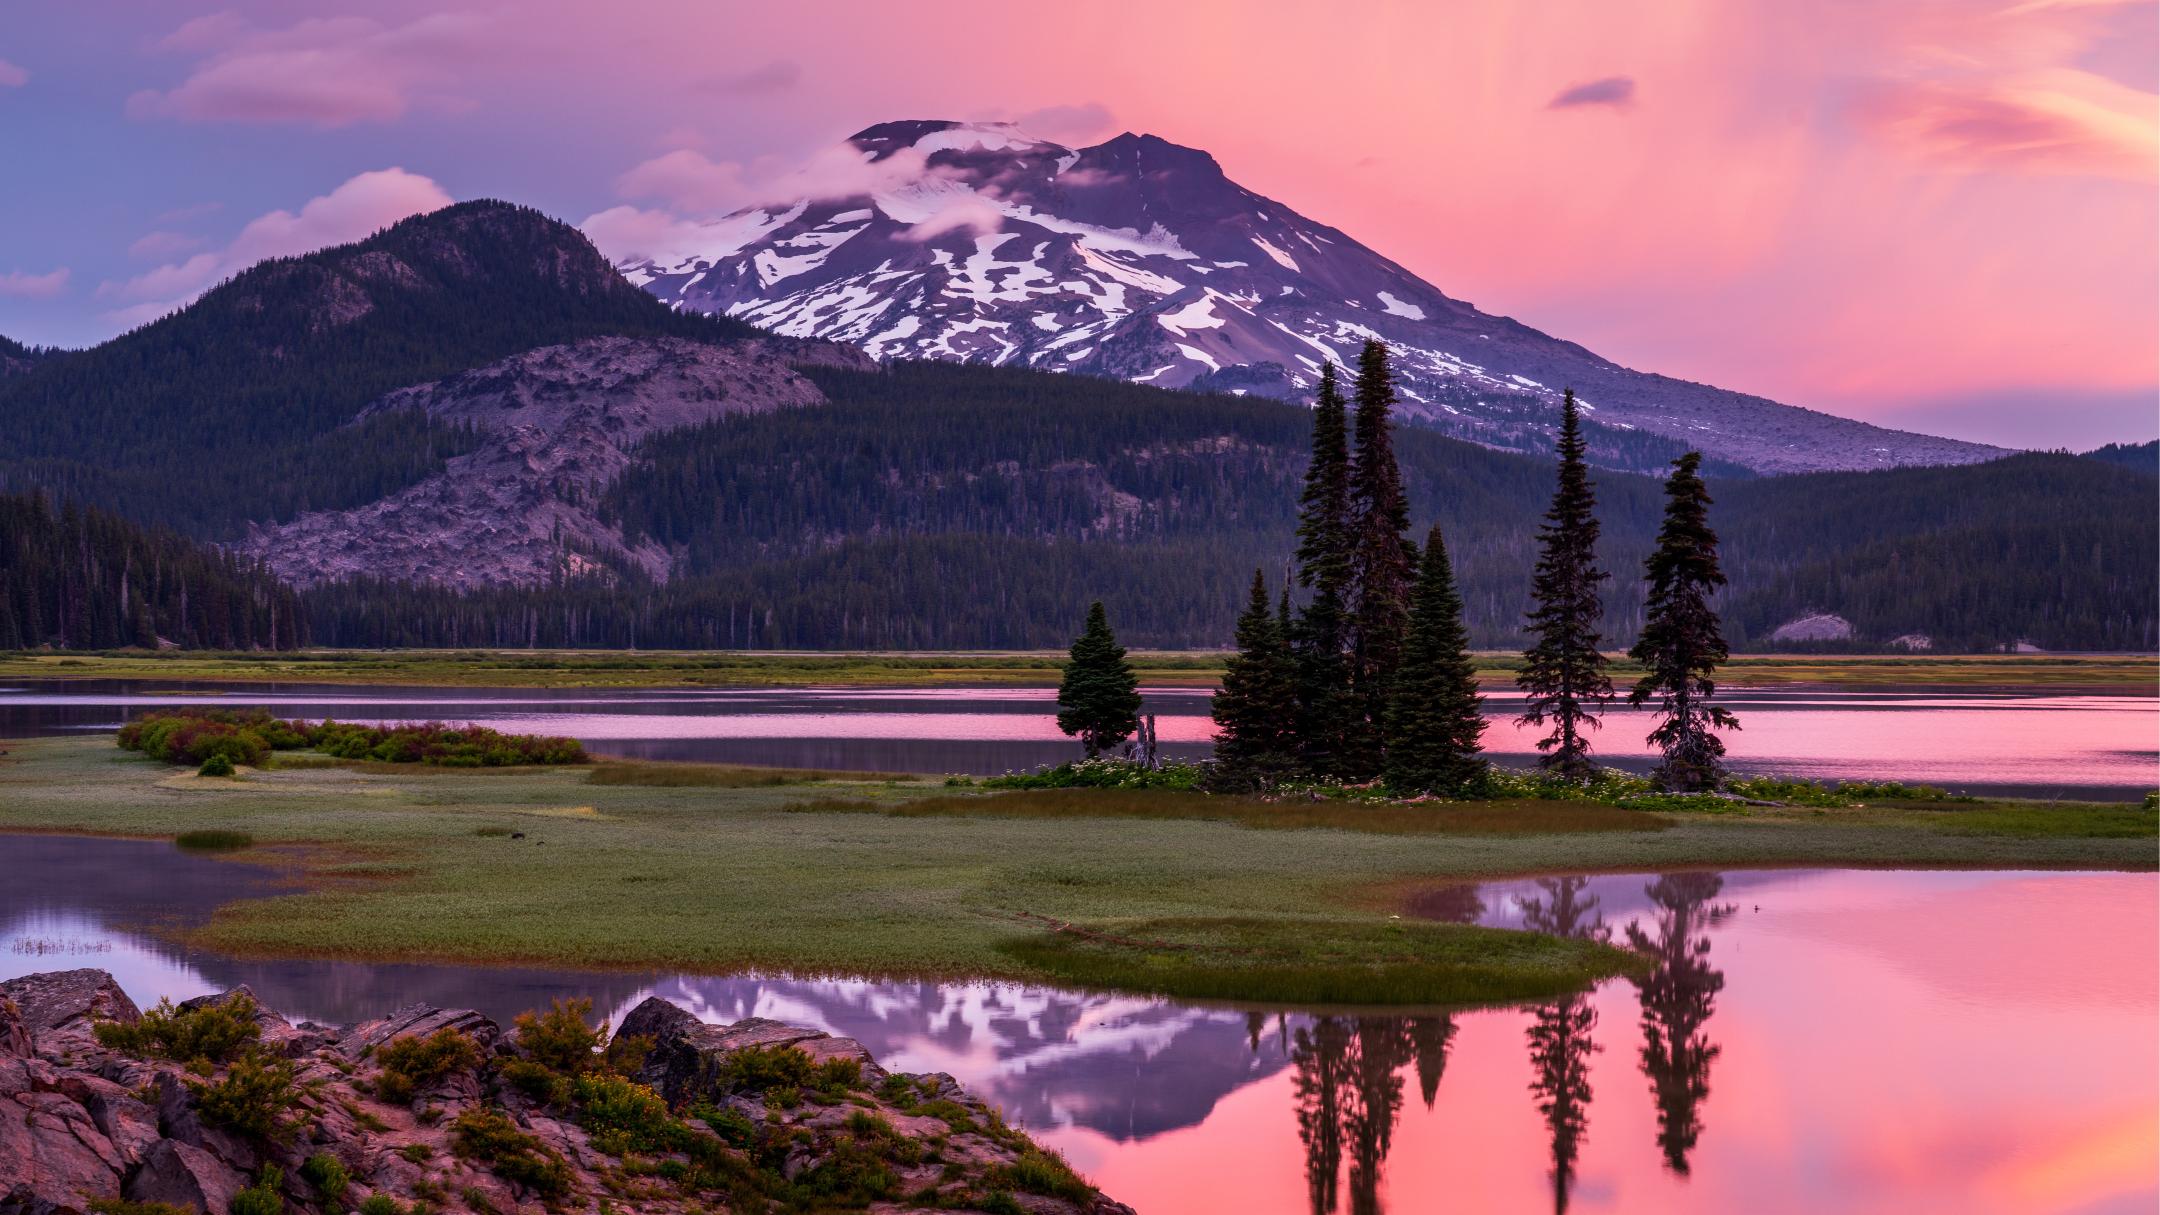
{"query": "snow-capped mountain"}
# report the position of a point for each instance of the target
(1138, 258)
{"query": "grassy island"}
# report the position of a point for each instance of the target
(711, 868)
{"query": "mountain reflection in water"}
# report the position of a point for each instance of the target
(1624, 1098)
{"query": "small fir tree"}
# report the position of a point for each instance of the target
(1256, 710)
(1563, 672)
(1681, 644)
(1099, 697)
(1433, 723)
(1383, 564)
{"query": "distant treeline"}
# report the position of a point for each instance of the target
(935, 505)
(83, 579)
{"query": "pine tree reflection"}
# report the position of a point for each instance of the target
(1677, 1000)
(1350, 1097)
(1560, 1041)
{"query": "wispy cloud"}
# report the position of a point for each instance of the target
(328, 71)
(23, 285)
(2050, 122)
(1613, 92)
(11, 76)
(358, 207)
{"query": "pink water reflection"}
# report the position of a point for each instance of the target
(2034, 743)
(1904, 1043)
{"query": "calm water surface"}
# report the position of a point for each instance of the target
(2028, 743)
(1810, 1041)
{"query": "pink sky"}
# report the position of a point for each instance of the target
(1935, 213)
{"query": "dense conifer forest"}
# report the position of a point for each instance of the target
(83, 579)
(233, 409)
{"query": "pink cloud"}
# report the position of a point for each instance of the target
(34, 286)
(362, 205)
(687, 180)
(11, 76)
(327, 72)
(2051, 122)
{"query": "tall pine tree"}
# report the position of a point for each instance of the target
(1323, 565)
(1099, 697)
(1433, 723)
(1563, 671)
(1681, 644)
(1256, 710)
(1382, 562)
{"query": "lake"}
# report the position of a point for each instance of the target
(1810, 1041)
(2032, 743)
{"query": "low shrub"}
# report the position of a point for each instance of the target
(216, 765)
(262, 1198)
(561, 1038)
(327, 1174)
(211, 1033)
(250, 1097)
(627, 1115)
(760, 1069)
(121, 1206)
(490, 1137)
(1103, 774)
(412, 1063)
(195, 736)
(213, 841)
(447, 745)
(380, 1204)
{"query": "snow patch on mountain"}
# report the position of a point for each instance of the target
(1138, 258)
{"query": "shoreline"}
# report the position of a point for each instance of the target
(717, 880)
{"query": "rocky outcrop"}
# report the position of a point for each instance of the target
(680, 1116)
(556, 426)
(1815, 626)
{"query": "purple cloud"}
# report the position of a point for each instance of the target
(1615, 92)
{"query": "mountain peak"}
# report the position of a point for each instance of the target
(933, 135)
(1139, 258)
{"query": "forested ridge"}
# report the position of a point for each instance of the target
(231, 409)
(85, 579)
(938, 505)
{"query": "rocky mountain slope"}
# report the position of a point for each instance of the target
(236, 408)
(442, 1109)
(553, 429)
(1139, 259)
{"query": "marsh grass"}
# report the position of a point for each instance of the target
(1506, 817)
(652, 775)
(2041, 821)
(1322, 962)
(213, 840)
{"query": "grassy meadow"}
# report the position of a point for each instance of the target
(1200, 668)
(714, 868)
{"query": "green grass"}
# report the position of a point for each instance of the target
(1506, 817)
(1321, 962)
(723, 776)
(410, 864)
(1038, 668)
